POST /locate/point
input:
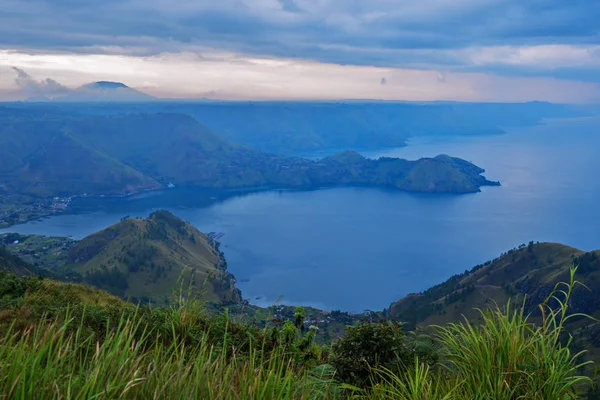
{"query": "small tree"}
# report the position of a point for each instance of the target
(372, 345)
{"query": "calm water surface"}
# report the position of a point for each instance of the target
(357, 248)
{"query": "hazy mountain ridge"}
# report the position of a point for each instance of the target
(101, 91)
(292, 127)
(130, 153)
(302, 127)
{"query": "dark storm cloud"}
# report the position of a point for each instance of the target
(398, 33)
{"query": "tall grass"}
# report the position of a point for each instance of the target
(178, 352)
(50, 361)
(508, 357)
(420, 382)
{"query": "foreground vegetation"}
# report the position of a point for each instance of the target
(71, 341)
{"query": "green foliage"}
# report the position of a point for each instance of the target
(368, 346)
(111, 349)
(11, 287)
(72, 341)
(419, 382)
(130, 364)
(111, 280)
(507, 357)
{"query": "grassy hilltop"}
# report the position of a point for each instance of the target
(144, 259)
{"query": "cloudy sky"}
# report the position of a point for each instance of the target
(475, 50)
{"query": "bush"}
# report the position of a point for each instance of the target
(11, 288)
(373, 345)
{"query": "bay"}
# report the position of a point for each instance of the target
(360, 248)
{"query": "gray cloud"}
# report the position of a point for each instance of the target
(396, 33)
(45, 88)
(290, 6)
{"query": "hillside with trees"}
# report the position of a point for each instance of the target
(49, 158)
(146, 260)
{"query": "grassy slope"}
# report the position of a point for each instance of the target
(43, 160)
(14, 265)
(111, 349)
(49, 172)
(152, 255)
(530, 270)
(529, 274)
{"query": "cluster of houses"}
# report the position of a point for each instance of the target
(35, 210)
(328, 318)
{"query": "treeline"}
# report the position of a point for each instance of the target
(110, 279)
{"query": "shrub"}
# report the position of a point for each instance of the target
(374, 345)
(11, 287)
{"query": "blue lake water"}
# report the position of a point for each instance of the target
(359, 248)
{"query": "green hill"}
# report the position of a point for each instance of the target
(525, 276)
(149, 259)
(530, 270)
(44, 160)
(442, 174)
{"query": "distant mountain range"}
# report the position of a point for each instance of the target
(101, 91)
(50, 154)
(300, 127)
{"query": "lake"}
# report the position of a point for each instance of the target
(358, 248)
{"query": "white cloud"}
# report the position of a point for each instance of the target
(540, 57)
(227, 75)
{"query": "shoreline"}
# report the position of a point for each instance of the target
(241, 190)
